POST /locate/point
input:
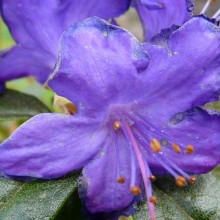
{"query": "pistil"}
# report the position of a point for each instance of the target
(147, 184)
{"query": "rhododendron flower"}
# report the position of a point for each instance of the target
(160, 14)
(138, 113)
(36, 26)
(157, 15)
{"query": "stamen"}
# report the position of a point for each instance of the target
(136, 190)
(153, 199)
(116, 125)
(204, 9)
(155, 146)
(176, 147)
(216, 14)
(192, 180)
(164, 165)
(151, 128)
(121, 180)
(181, 181)
(152, 178)
(128, 133)
(177, 168)
(189, 149)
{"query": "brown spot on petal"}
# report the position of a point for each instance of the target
(121, 180)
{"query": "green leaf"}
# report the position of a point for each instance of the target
(198, 202)
(73, 209)
(34, 200)
(17, 105)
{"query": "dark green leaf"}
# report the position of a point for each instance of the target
(198, 202)
(73, 209)
(17, 105)
(34, 200)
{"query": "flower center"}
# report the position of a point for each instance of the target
(145, 146)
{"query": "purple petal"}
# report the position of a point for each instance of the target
(20, 62)
(99, 61)
(51, 145)
(99, 188)
(200, 130)
(157, 15)
(37, 25)
(184, 74)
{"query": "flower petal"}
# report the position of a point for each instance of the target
(41, 23)
(37, 25)
(160, 14)
(184, 73)
(20, 62)
(99, 61)
(99, 188)
(50, 145)
(200, 130)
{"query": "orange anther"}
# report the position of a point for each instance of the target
(135, 190)
(181, 181)
(189, 149)
(70, 108)
(155, 146)
(192, 180)
(116, 125)
(152, 178)
(153, 199)
(176, 147)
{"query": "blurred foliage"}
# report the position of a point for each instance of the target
(17, 105)
(5, 37)
(25, 85)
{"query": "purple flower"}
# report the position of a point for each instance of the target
(138, 113)
(36, 26)
(160, 14)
